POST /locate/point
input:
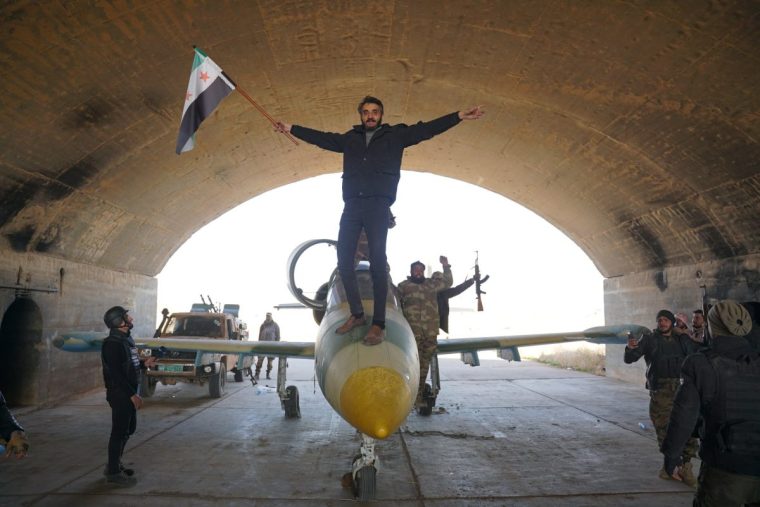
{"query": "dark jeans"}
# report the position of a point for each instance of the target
(123, 424)
(373, 215)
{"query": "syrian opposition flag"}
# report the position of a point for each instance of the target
(207, 87)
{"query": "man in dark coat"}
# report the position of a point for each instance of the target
(722, 385)
(372, 153)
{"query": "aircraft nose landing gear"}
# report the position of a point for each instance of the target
(363, 476)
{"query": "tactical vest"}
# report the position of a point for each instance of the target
(732, 425)
(668, 358)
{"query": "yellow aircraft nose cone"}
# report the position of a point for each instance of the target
(375, 400)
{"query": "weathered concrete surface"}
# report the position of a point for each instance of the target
(624, 123)
(520, 434)
(55, 295)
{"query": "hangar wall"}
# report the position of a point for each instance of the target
(636, 298)
(69, 297)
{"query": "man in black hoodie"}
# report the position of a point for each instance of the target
(722, 384)
(122, 369)
(372, 153)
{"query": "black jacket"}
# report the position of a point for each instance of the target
(443, 301)
(694, 398)
(8, 423)
(663, 355)
(121, 364)
(374, 170)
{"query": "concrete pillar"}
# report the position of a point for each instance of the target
(41, 297)
(636, 298)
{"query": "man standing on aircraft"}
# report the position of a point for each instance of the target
(122, 369)
(419, 302)
(12, 435)
(664, 351)
(268, 332)
(372, 155)
(722, 385)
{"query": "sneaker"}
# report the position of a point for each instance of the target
(687, 474)
(351, 323)
(120, 480)
(374, 336)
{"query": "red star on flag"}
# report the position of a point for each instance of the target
(188, 95)
(204, 75)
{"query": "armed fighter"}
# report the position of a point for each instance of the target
(373, 388)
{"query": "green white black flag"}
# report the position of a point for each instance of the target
(207, 87)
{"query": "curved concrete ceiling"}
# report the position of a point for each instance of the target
(632, 126)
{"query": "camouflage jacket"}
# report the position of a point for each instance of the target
(419, 301)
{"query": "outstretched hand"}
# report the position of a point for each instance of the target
(472, 113)
(282, 127)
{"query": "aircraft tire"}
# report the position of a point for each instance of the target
(428, 401)
(366, 483)
(217, 382)
(238, 375)
(291, 403)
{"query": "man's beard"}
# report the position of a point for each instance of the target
(374, 126)
(417, 279)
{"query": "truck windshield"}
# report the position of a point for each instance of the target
(196, 326)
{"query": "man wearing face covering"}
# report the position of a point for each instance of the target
(722, 384)
(664, 351)
(122, 369)
(419, 302)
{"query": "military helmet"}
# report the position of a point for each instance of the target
(115, 317)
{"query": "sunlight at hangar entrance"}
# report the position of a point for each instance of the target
(540, 280)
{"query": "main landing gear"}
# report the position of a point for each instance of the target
(430, 392)
(288, 395)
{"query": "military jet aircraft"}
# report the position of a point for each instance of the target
(372, 387)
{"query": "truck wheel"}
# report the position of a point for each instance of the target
(238, 375)
(147, 386)
(217, 382)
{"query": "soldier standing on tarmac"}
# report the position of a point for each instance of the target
(419, 301)
(122, 369)
(664, 351)
(722, 385)
(268, 332)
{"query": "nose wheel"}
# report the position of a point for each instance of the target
(363, 476)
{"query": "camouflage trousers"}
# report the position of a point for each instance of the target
(260, 362)
(426, 347)
(660, 406)
(718, 488)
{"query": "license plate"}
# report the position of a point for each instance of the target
(170, 367)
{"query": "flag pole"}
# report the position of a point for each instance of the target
(262, 111)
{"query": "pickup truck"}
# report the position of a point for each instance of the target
(198, 367)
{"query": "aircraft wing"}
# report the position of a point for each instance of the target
(600, 335)
(278, 349)
(92, 342)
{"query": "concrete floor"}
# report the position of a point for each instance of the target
(520, 434)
